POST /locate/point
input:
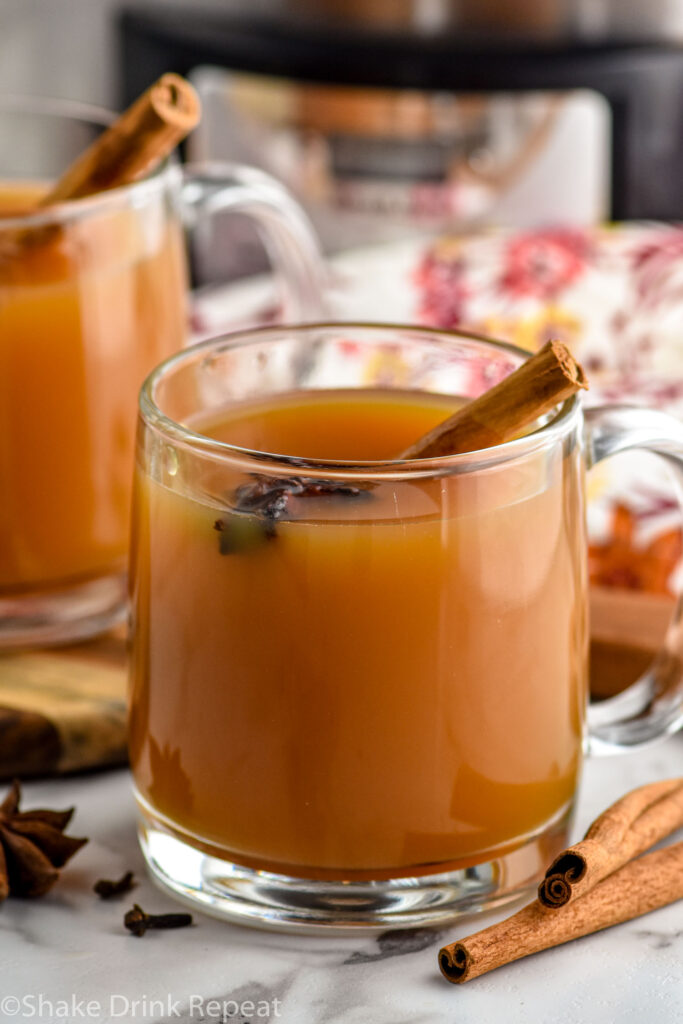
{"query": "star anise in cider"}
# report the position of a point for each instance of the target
(32, 847)
(263, 502)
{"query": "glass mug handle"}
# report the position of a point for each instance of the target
(653, 705)
(287, 235)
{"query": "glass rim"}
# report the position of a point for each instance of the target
(556, 428)
(72, 209)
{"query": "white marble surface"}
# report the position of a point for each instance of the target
(67, 956)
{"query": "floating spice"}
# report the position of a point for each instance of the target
(260, 504)
(135, 144)
(129, 149)
(138, 922)
(32, 847)
(107, 887)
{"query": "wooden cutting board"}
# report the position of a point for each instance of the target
(63, 709)
(627, 628)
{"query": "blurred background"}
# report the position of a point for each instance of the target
(391, 117)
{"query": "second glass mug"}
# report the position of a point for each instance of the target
(375, 716)
(93, 295)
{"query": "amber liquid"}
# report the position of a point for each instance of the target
(86, 311)
(387, 685)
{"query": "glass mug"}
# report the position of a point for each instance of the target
(93, 295)
(358, 688)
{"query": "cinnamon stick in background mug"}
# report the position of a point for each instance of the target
(136, 143)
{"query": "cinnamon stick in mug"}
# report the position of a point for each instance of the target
(625, 830)
(137, 141)
(635, 889)
(544, 380)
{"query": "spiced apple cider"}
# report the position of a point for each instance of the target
(87, 308)
(342, 667)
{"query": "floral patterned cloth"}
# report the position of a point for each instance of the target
(615, 296)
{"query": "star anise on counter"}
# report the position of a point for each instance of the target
(32, 847)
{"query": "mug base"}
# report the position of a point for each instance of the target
(264, 899)
(62, 615)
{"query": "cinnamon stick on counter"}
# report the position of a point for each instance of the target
(500, 414)
(625, 830)
(635, 889)
(135, 143)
